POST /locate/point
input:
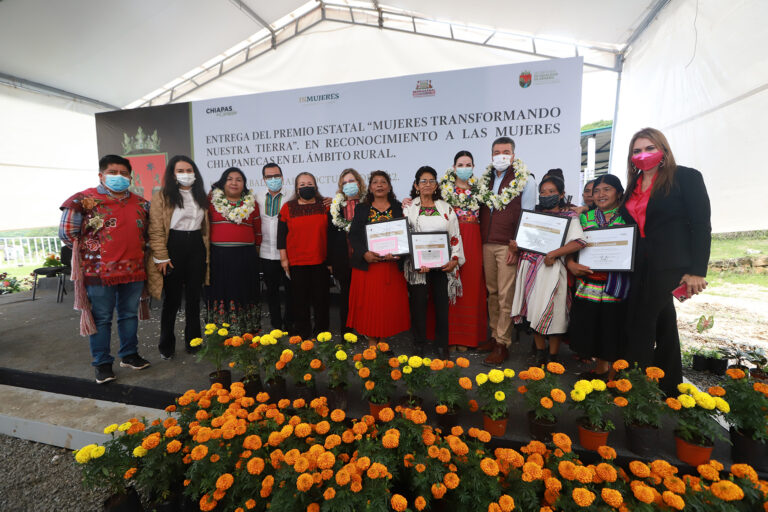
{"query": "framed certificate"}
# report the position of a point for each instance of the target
(388, 237)
(541, 232)
(609, 249)
(430, 249)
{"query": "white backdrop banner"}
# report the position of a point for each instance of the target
(397, 125)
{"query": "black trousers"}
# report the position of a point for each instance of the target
(187, 253)
(310, 290)
(343, 274)
(652, 337)
(274, 276)
(437, 287)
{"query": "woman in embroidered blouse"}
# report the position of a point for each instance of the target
(378, 296)
(302, 237)
(670, 204)
(179, 238)
(351, 186)
(541, 287)
(233, 296)
(429, 213)
(468, 316)
(598, 314)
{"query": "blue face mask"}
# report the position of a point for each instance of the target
(117, 182)
(274, 184)
(350, 189)
(464, 173)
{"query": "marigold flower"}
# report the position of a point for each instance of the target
(129, 474)
(654, 373)
(744, 471)
(535, 373)
(438, 490)
(687, 401)
(578, 395)
(562, 441)
(111, 428)
(553, 484)
(522, 389)
(673, 500)
(546, 402)
(620, 364)
(606, 472)
(420, 503)
(174, 446)
(673, 403)
(620, 401)
(489, 467)
(481, 378)
(139, 451)
(97, 452)
(556, 368)
(606, 452)
(735, 373)
(643, 493)
(612, 497)
(364, 372)
(499, 396)
(473, 406)
(420, 468)
(708, 472)
(558, 395)
(583, 496)
(465, 383)
(506, 502)
(207, 503)
(304, 482)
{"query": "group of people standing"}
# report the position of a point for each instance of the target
(221, 240)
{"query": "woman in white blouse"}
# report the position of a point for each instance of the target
(429, 213)
(179, 238)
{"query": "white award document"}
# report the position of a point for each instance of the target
(541, 232)
(609, 249)
(430, 249)
(388, 237)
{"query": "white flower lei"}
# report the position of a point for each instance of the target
(468, 200)
(514, 189)
(339, 202)
(232, 213)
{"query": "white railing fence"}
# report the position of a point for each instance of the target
(27, 250)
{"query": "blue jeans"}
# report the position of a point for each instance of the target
(103, 301)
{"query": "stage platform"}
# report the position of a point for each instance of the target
(41, 351)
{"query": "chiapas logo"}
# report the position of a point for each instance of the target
(423, 88)
(140, 143)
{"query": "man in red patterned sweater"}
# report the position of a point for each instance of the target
(107, 228)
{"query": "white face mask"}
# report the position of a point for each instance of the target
(185, 179)
(501, 162)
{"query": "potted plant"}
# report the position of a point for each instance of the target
(698, 359)
(756, 356)
(245, 354)
(273, 362)
(161, 466)
(642, 405)
(415, 372)
(52, 260)
(748, 401)
(214, 351)
(593, 400)
(450, 389)
(303, 366)
(492, 390)
(543, 397)
(717, 362)
(697, 426)
(336, 360)
(373, 369)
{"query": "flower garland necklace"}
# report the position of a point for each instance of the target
(466, 200)
(237, 212)
(338, 220)
(514, 189)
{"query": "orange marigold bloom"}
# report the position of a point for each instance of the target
(562, 441)
(307, 377)
(395, 375)
(457, 430)
(436, 365)
(716, 391)
(307, 345)
(304, 482)
(250, 504)
(369, 385)
(329, 494)
(673, 403)
(522, 389)
(462, 362)
(735, 373)
(199, 452)
(506, 503)
(338, 415)
(583, 496)
(494, 507)
(473, 407)
(420, 503)
(654, 373)
(620, 364)
(555, 368)
(642, 492)
(215, 457)
(315, 364)
(708, 472)
(313, 507)
(174, 446)
(744, 471)
(489, 467)
(129, 474)
(420, 468)
(606, 452)
(567, 469)
(606, 472)
(225, 481)
(620, 401)
(364, 372)
(398, 502)
(623, 385)
(465, 383)
(207, 503)
(673, 500)
(369, 354)
(612, 497)
(387, 414)
(439, 490)
(674, 484)
(535, 373)
(639, 469)
(546, 402)
(451, 480)
(255, 466)
(302, 430)
(558, 395)
(553, 484)
(441, 409)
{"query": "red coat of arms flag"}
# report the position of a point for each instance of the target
(148, 172)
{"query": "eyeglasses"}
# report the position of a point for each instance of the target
(427, 182)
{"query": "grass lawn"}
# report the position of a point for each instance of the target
(724, 278)
(19, 272)
(737, 248)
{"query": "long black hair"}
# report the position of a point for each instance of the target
(559, 185)
(171, 186)
(369, 195)
(425, 170)
(461, 154)
(223, 180)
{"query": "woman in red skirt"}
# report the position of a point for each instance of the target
(378, 295)
(468, 323)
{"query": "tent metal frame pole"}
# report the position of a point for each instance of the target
(29, 85)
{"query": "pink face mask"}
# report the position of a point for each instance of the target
(647, 161)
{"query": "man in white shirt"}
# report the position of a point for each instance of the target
(270, 203)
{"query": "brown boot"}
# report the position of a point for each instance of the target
(487, 346)
(498, 356)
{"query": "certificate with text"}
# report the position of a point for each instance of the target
(388, 237)
(609, 249)
(541, 232)
(430, 249)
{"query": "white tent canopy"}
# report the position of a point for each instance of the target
(83, 56)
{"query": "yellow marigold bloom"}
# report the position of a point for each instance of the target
(110, 428)
(324, 336)
(426, 361)
(687, 387)
(499, 396)
(612, 497)
(222, 332)
(402, 358)
(722, 405)
(124, 426)
(509, 373)
(358, 365)
(583, 496)
(620, 364)
(704, 400)
(210, 326)
(139, 451)
(598, 385)
(97, 452)
(481, 379)
(341, 355)
(350, 338)
(83, 455)
(407, 369)
(496, 376)
(578, 395)
(415, 361)
(673, 500)
(686, 401)
(584, 386)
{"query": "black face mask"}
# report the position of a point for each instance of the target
(549, 202)
(307, 193)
